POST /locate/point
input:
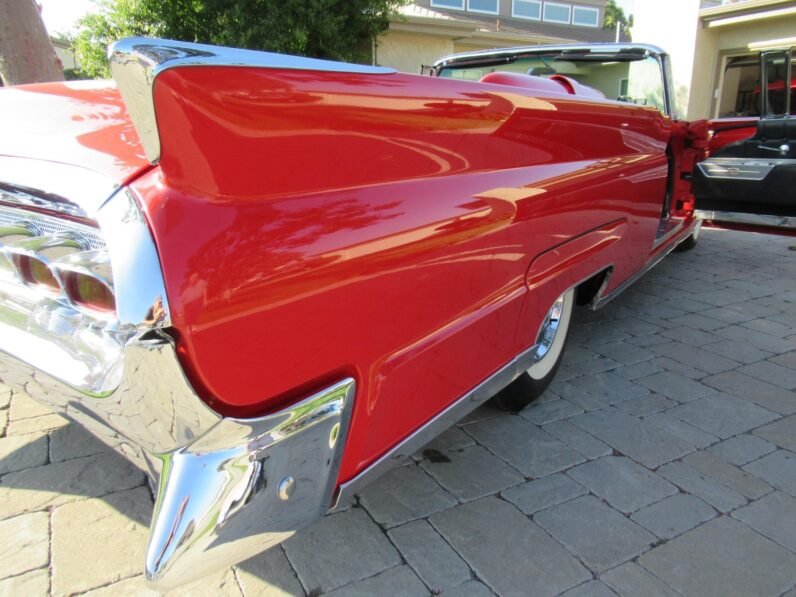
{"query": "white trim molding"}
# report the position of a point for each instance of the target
(591, 10)
(516, 15)
(568, 7)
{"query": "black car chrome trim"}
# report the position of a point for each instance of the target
(729, 217)
(756, 169)
(137, 61)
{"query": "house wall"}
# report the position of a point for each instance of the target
(715, 44)
(505, 7)
(407, 51)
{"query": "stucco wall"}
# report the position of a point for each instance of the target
(408, 51)
(713, 44)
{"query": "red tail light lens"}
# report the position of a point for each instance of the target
(87, 291)
(34, 271)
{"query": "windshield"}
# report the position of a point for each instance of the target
(634, 78)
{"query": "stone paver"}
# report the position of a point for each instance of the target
(723, 557)
(88, 531)
(723, 415)
(583, 443)
(741, 449)
(777, 469)
(476, 530)
(674, 515)
(18, 452)
(542, 493)
(472, 473)
(661, 459)
(727, 474)
(632, 579)
(405, 493)
(781, 433)
(647, 444)
(703, 486)
(399, 581)
(340, 549)
(24, 545)
(54, 484)
(763, 394)
(676, 386)
(774, 517)
(527, 448)
(36, 582)
(600, 536)
(593, 588)
(268, 574)
(431, 558)
(622, 483)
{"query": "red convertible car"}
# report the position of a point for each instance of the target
(265, 279)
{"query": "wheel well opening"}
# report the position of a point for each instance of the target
(589, 290)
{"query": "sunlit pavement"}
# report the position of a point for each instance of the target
(661, 461)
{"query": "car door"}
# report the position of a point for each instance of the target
(752, 181)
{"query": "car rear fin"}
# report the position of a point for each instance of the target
(137, 61)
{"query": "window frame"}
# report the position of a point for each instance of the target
(559, 5)
(485, 12)
(594, 9)
(433, 4)
(527, 18)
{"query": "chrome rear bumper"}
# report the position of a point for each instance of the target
(227, 488)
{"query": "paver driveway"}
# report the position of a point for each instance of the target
(661, 461)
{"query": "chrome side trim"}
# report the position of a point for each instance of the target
(601, 300)
(137, 61)
(445, 419)
(246, 485)
(740, 168)
(787, 222)
(141, 302)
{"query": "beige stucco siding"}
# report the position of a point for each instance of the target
(715, 44)
(408, 51)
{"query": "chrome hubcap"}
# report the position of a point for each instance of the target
(549, 330)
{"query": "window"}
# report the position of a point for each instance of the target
(585, 17)
(459, 4)
(527, 9)
(487, 6)
(556, 13)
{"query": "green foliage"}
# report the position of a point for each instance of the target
(334, 29)
(615, 14)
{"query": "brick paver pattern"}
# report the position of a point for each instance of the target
(661, 461)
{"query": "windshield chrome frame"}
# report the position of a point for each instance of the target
(510, 54)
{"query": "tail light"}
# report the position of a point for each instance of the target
(32, 257)
(86, 280)
(34, 271)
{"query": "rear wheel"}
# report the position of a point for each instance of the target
(547, 357)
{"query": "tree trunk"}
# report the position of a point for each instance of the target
(26, 52)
